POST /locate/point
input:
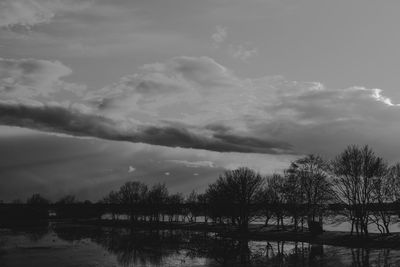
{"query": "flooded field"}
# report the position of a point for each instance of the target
(94, 246)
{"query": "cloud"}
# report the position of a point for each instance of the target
(75, 120)
(28, 13)
(131, 169)
(195, 102)
(219, 36)
(242, 52)
(239, 51)
(324, 120)
(194, 164)
(32, 77)
(189, 89)
(271, 111)
(204, 87)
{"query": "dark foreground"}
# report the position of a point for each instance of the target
(63, 244)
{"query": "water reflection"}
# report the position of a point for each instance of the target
(155, 248)
(91, 246)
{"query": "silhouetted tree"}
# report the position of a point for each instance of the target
(68, 199)
(157, 197)
(238, 190)
(16, 201)
(264, 202)
(386, 190)
(275, 189)
(310, 185)
(37, 199)
(356, 171)
(293, 196)
(174, 203)
(202, 201)
(112, 200)
(191, 206)
(131, 194)
(394, 181)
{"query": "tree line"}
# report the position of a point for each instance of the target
(357, 184)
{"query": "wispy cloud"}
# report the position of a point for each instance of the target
(219, 36)
(242, 52)
(239, 51)
(28, 13)
(194, 164)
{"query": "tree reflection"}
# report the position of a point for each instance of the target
(364, 257)
(153, 248)
(131, 247)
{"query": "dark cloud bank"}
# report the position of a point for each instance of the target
(59, 119)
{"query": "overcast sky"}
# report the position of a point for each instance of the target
(94, 93)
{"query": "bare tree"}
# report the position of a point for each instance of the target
(68, 199)
(202, 201)
(112, 199)
(157, 198)
(174, 203)
(310, 186)
(275, 192)
(219, 203)
(356, 171)
(131, 194)
(240, 187)
(191, 206)
(394, 181)
(386, 190)
(37, 199)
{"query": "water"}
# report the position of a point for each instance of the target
(63, 245)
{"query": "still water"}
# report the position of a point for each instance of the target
(94, 246)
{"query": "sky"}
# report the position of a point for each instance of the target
(94, 93)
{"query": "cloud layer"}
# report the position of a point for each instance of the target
(70, 120)
(194, 102)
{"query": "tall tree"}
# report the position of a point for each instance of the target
(240, 187)
(157, 198)
(386, 191)
(37, 199)
(132, 194)
(356, 171)
(275, 192)
(68, 199)
(313, 188)
(112, 200)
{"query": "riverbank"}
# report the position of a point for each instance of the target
(259, 233)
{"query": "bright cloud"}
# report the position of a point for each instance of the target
(206, 95)
(195, 102)
(27, 78)
(131, 169)
(194, 164)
